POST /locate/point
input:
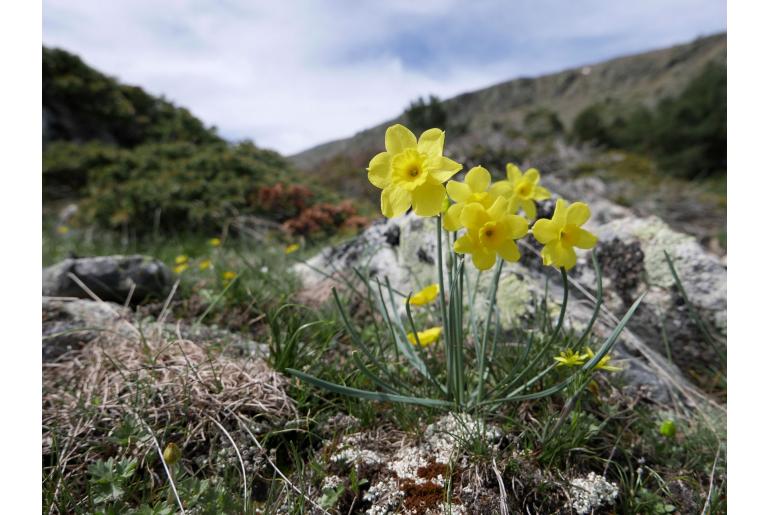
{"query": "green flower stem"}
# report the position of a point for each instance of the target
(442, 303)
(485, 335)
(563, 311)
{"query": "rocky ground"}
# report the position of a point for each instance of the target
(120, 379)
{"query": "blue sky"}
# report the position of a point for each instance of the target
(293, 74)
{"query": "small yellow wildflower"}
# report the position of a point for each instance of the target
(228, 276)
(181, 259)
(570, 358)
(178, 269)
(425, 337)
(424, 296)
(668, 428)
(521, 189)
(473, 190)
(294, 247)
(205, 264)
(411, 173)
(490, 234)
(172, 454)
(62, 229)
(562, 233)
(215, 242)
(604, 363)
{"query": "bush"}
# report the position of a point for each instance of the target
(421, 115)
(179, 185)
(542, 123)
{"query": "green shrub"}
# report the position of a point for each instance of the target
(542, 123)
(421, 115)
(178, 185)
(686, 134)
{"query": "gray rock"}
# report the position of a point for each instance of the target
(69, 324)
(111, 278)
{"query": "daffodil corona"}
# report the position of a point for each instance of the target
(412, 173)
(562, 233)
(490, 234)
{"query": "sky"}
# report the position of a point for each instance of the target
(293, 74)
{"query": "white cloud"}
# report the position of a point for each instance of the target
(293, 74)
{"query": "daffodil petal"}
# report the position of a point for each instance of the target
(578, 213)
(379, 170)
(398, 138)
(545, 231)
(532, 175)
(428, 199)
(509, 251)
(483, 258)
(541, 193)
(445, 169)
(473, 216)
(518, 226)
(465, 245)
(583, 239)
(560, 255)
(529, 208)
(431, 142)
(512, 172)
(560, 213)
(458, 191)
(452, 218)
(500, 189)
(478, 178)
(394, 201)
(498, 210)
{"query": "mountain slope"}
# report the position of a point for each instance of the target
(484, 117)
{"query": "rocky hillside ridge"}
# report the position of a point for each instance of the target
(485, 116)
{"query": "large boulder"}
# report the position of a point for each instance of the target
(111, 278)
(631, 255)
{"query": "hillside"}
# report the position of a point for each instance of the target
(476, 116)
(82, 104)
(647, 125)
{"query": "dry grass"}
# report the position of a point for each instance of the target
(178, 389)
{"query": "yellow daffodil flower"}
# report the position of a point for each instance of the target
(178, 269)
(205, 264)
(172, 453)
(426, 337)
(490, 234)
(570, 358)
(294, 247)
(424, 296)
(521, 189)
(181, 259)
(228, 276)
(412, 173)
(473, 190)
(62, 229)
(562, 233)
(215, 242)
(604, 363)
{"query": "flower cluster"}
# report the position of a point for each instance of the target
(413, 173)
